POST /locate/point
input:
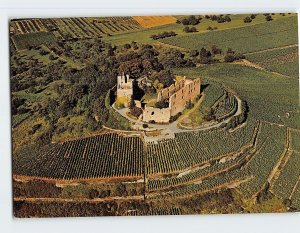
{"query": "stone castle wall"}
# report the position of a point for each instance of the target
(167, 92)
(155, 114)
(179, 99)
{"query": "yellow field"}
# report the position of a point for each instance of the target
(153, 21)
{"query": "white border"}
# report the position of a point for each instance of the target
(245, 223)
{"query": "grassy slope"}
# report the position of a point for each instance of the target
(267, 35)
(268, 95)
(143, 36)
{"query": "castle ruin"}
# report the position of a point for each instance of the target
(177, 96)
(124, 86)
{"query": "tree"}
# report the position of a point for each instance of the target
(227, 18)
(269, 18)
(215, 50)
(247, 20)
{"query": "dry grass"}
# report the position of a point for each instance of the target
(153, 21)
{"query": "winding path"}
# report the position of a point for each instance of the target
(169, 130)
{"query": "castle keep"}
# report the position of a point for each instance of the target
(124, 86)
(177, 96)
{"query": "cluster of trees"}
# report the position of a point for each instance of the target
(191, 20)
(232, 56)
(220, 18)
(163, 35)
(249, 19)
(174, 58)
(205, 56)
(189, 29)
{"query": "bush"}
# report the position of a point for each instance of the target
(269, 18)
(247, 20)
(253, 16)
(93, 194)
(163, 35)
(189, 29)
(121, 190)
(191, 20)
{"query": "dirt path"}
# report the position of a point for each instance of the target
(272, 49)
(294, 188)
(248, 63)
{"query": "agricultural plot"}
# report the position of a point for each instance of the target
(295, 140)
(244, 39)
(197, 174)
(296, 198)
(225, 108)
(280, 60)
(191, 149)
(262, 164)
(288, 178)
(154, 21)
(95, 157)
(210, 184)
(25, 41)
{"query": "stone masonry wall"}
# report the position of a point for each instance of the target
(179, 99)
(156, 114)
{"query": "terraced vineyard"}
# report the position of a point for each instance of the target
(38, 31)
(296, 198)
(295, 140)
(198, 174)
(190, 149)
(226, 108)
(107, 155)
(231, 178)
(289, 177)
(264, 161)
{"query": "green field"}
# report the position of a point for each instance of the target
(143, 35)
(281, 60)
(262, 36)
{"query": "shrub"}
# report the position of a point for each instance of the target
(247, 20)
(93, 194)
(189, 29)
(269, 18)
